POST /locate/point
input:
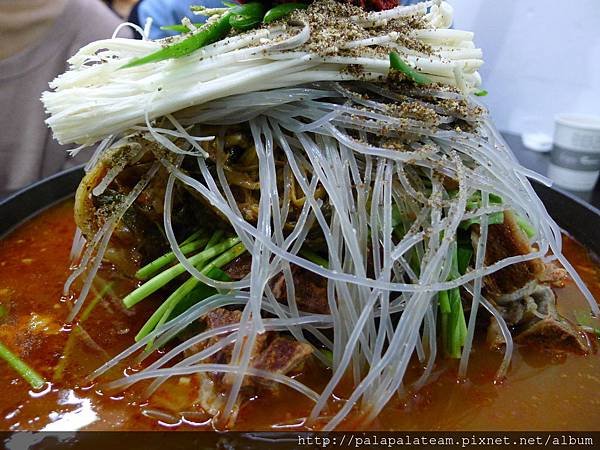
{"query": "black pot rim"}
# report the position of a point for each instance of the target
(31, 200)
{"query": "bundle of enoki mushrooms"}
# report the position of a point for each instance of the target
(325, 186)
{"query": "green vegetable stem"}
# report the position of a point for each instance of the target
(396, 63)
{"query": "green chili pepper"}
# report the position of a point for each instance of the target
(246, 16)
(212, 33)
(282, 10)
(242, 16)
(252, 9)
(397, 64)
(242, 23)
(481, 93)
(179, 28)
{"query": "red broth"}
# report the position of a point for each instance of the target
(543, 391)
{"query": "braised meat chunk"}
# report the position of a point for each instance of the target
(272, 352)
(310, 290)
(522, 294)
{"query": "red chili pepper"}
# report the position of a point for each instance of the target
(273, 2)
(369, 5)
(375, 5)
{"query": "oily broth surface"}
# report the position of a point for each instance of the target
(542, 390)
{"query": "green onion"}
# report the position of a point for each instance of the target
(152, 268)
(444, 302)
(68, 348)
(313, 257)
(481, 93)
(397, 223)
(474, 202)
(282, 10)
(328, 354)
(3, 311)
(163, 278)
(452, 316)
(584, 320)
(164, 311)
(200, 292)
(34, 379)
(595, 330)
(194, 236)
(493, 219)
(396, 216)
(583, 317)
(464, 255)
(457, 327)
(525, 226)
(397, 64)
(214, 240)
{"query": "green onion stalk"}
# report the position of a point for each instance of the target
(78, 329)
(190, 245)
(35, 380)
(216, 253)
(314, 257)
(452, 317)
(160, 280)
(166, 309)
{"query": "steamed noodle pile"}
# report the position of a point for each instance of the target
(330, 134)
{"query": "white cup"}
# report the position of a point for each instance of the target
(575, 157)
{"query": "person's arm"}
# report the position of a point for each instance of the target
(168, 12)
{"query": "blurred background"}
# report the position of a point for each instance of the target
(542, 58)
